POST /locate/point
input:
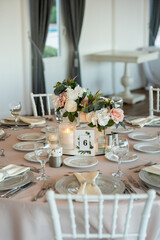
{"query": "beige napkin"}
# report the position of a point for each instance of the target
(12, 170)
(1, 132)
(141, 122)
(87, 183)
(32, 121)
(155, 169)
(29, 120)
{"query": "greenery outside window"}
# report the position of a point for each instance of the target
(52, 45)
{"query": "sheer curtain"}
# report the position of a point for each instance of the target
(39, 19)
(73, 11)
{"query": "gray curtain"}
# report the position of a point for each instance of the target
(39, 19)
(154, 20)
(73, 11)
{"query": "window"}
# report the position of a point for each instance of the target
(52, 46)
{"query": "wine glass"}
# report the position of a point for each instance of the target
(120, 150)
(15, 108)
(42, 156)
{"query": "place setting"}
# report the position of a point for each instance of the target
(14, 178)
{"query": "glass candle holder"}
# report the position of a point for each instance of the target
(67, 135)
(52, 136)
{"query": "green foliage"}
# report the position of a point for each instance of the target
(49, 52)
(53, 17)
(58, 90)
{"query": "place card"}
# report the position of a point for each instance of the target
(85, 142)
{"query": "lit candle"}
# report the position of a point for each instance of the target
(66, 132)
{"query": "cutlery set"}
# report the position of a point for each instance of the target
(12, 192)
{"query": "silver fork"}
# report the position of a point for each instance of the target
(42, 191)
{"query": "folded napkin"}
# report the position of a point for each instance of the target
(141, 122)
(87, 183)
(29, 120)
(155, 169)
(1, 132)
(12, 170)
(32, 121)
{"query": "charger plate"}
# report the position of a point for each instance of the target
(70, 152)
(31, 136)
(150, 178)
(26, 146)
(141, 136)
(80, 161)
(16, 181)
(147, 147)
(106, 184)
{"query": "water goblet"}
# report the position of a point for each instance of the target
(42, 155)
(120, 151)
(15, 108)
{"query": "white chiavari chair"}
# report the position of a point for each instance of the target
(130, 200)
(41, 96)
(154, 100)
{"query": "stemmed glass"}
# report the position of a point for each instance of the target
(15, 108)
(120, 151)
(42, 156)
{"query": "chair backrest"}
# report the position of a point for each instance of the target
(154, 105)
(96, 217)
(41, 97)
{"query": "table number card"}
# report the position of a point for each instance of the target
(84, 142)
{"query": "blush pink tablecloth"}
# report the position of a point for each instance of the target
(22, 219)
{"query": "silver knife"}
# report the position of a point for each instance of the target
(22, 188)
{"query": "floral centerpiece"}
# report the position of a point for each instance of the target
(68, 96)
(102, 112)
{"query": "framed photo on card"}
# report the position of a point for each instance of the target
(85, 142)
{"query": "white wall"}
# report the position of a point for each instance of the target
(108, 24)
(14, 68)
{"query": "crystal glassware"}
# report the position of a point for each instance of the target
(42, 156)
(120, 150)
(15, 108)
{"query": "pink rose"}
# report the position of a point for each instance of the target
(84, 102)
(117, 115)
(62, 99)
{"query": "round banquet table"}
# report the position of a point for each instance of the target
(23, 219)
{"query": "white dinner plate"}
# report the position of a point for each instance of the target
(130, 157)
(26, 146)
(80, 162)
(147, 147)
(31, 157)
(141, 136)
(16, 181)
(106, 184)
(150, 178)
(122, 130)
(31, 137)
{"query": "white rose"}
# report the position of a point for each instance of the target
(70, 106)
(91, 118)
(79, 90)
(55, 100)
(72, 94)
(103, 116)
